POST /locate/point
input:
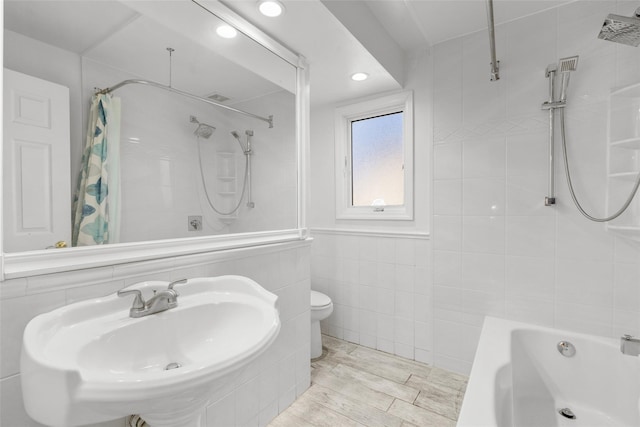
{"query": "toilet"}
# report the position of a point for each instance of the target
(321, 308)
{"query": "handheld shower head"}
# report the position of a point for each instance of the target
(622, 29)
(235, 134)
(566, 66)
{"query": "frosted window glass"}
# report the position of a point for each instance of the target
(377, 161)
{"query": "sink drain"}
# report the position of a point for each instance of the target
(567, 413)
(172, 365)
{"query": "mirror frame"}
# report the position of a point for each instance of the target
(32, 263)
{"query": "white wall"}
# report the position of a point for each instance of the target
(496, 250)
(380, 287)
(273, 164)
(322, 212)
(269, 384)
(378, 273)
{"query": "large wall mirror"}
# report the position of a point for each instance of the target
(201, 140)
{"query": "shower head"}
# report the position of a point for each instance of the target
(569, 64)
(565, 67)
(203, 130)
(235, 134)
(622, 29)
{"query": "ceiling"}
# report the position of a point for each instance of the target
(133, 36)
(413, 23)
(334, 54)
(337, 37)
(340, 37)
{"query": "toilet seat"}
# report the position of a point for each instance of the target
(319, 300)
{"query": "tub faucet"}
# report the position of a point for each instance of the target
(630, 345)
(160, 301)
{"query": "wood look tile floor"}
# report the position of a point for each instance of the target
(353, 385)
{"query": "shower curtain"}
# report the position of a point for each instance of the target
(97, 200)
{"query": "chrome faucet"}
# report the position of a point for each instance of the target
(630, 345)
(160, 301)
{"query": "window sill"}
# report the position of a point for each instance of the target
(381, 213)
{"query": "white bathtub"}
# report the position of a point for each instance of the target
(519, 378)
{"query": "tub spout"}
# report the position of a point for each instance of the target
(630, 345)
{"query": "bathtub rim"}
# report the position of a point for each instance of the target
(493, 354)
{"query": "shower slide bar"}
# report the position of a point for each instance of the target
(269, 119)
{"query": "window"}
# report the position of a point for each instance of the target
(374, 159)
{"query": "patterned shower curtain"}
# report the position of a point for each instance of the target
(95, 205)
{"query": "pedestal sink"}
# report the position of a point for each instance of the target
(90, 361)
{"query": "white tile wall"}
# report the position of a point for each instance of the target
(499, 250)
(496, 249)
(381, 290)
(265, 388)
(167, 161)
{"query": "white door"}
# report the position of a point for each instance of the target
(36, 144)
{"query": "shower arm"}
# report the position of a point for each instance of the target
(269, 119)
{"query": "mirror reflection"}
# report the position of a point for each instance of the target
(135, 121)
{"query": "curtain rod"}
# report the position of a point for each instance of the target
(495, 64)
(269, 120)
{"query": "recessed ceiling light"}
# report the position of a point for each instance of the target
(226, 31)
(270, 8)
(359, 76)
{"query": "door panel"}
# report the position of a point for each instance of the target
(36, 144)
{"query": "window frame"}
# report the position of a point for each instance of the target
(370, 108)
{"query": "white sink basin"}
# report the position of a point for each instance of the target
(90, 362)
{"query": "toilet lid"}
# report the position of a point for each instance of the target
(319, 299)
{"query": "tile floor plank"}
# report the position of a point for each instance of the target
(377, 383)
(288, 419)
(354, 390)
(419, 416)
(398, 369)
(338, 345)
(354, 386)
(351, 408)
(319, 415)
(373, 361)
(438, 399)
(447, 379)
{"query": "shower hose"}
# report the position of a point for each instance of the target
(572, 192)
(204, 184)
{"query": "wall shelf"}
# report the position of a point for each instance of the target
(629, 143)
(226, 185)
(627, 176)
(628, 232)
(631, 91)
(623, 154)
